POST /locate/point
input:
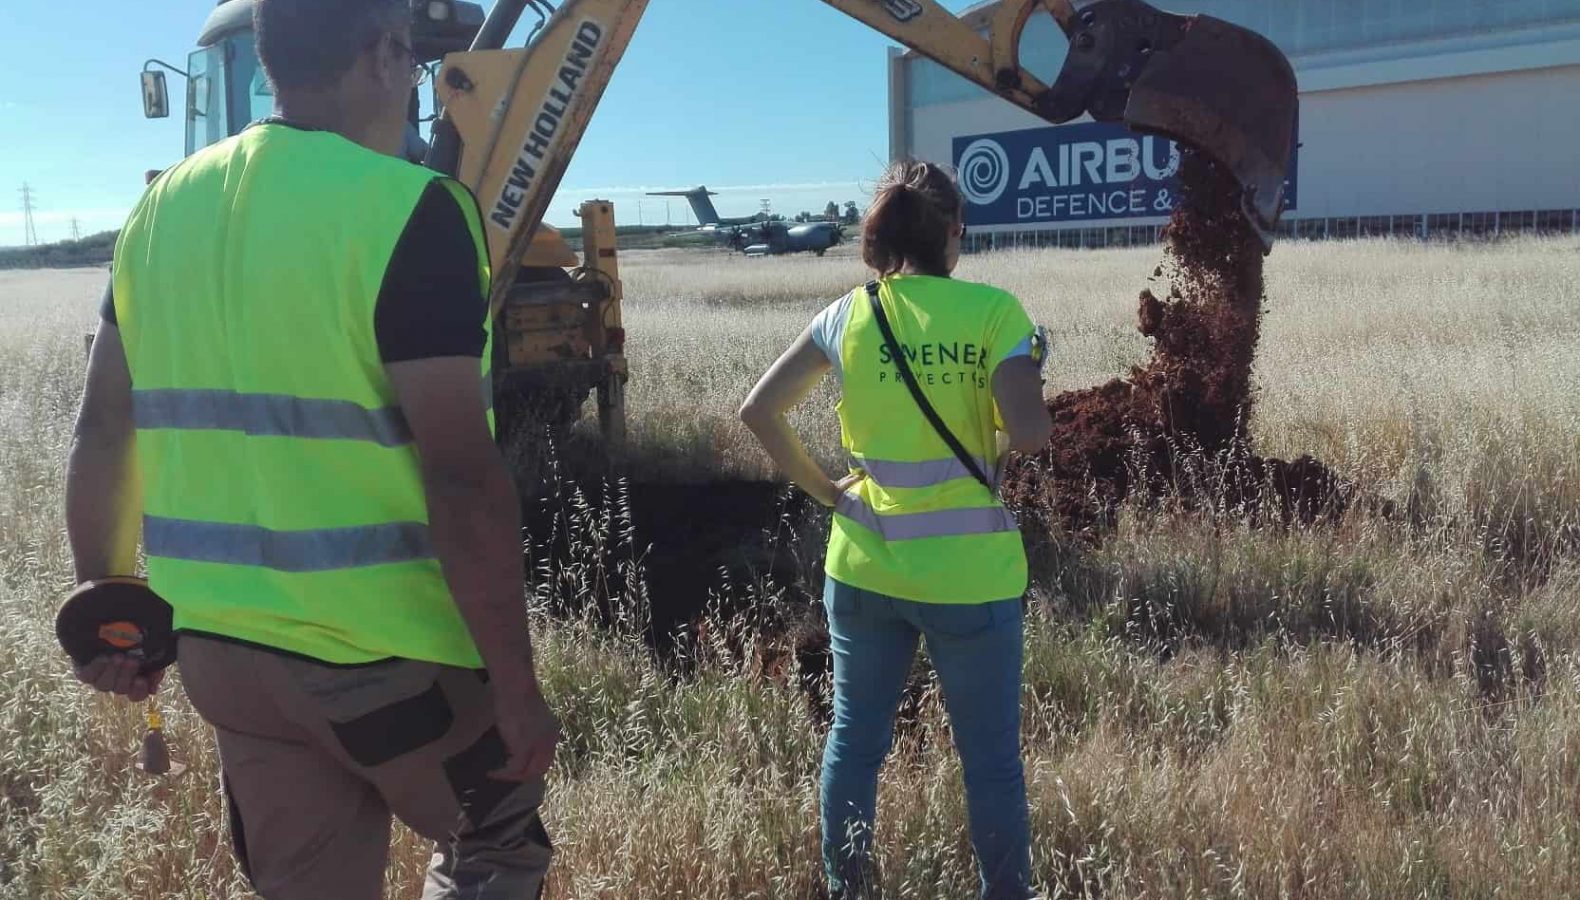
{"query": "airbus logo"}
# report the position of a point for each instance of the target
(1070, 173)
(902, 10)
(984, 171)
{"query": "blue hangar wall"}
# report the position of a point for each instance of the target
(1418, 117)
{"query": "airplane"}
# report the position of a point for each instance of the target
(754, 235)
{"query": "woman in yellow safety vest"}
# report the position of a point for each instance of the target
(937, 378)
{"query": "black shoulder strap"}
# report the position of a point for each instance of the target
(897, 353)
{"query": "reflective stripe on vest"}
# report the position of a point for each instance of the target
(314, 550)
(926, 473)
(937, 523)
(274, 415)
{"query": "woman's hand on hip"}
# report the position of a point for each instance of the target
(832, 490)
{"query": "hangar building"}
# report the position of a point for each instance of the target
(1428, 118)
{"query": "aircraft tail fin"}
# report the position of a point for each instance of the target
(700, 204)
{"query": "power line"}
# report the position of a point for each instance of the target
(29, 233)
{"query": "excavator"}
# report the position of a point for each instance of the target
(509, 120)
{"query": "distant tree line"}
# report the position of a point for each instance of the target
(850, 215)
(93, 250)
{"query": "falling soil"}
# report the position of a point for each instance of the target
(1176, 427)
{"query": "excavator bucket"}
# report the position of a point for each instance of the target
(1217, 87)
(1231, 93)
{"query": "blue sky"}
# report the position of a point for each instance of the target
(777, 99)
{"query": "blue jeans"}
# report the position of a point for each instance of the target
(976, 651)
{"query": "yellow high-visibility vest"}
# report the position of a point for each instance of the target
(919, 526)
(283, 499)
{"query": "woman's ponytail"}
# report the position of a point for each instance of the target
(914, 207)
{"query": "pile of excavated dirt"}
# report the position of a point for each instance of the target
(1176, 427)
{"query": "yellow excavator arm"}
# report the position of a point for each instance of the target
(512, 119)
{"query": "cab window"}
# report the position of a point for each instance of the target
(206, 119)
(227, 90)
(251, 98)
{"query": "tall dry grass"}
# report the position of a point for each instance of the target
(1376, 709)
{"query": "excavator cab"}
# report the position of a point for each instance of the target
(226, 90)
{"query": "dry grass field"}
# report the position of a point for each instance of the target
(1385, 708)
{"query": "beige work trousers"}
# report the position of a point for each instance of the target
(316, 758)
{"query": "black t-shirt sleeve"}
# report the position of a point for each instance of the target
(431, 302)
(107, 305)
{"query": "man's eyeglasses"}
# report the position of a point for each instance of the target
(419, 72)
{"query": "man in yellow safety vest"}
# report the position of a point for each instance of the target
(289, 398)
